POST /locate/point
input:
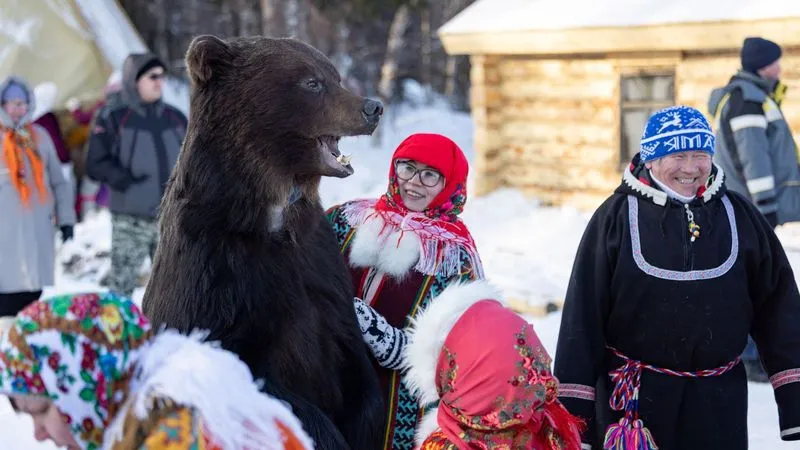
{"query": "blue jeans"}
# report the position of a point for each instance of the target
(750, 352)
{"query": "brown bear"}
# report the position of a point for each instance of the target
(245, 251)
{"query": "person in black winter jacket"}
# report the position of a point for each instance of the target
(133, 148)
(672, 274)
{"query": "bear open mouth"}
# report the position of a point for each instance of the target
(333, 158)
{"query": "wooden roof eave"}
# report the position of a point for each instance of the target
(673, 37)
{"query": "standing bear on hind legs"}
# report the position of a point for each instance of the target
(245, 251)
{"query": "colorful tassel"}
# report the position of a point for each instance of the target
(628, 435)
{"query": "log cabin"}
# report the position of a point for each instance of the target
(561, 90)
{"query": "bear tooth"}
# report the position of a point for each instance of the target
(344, 159)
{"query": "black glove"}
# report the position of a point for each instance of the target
(772, 218)
(67, 233)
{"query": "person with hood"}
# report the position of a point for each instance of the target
(133, 148)
(33, 192)
(403, 249)
(488, 370)
(755, 146)
(91, 373)
(672, 274)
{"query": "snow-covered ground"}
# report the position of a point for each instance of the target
(527, 250)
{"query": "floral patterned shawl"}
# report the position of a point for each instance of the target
(78, 351)
(96, 358)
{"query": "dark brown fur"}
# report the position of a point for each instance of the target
(266, 277)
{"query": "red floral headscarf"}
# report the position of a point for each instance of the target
(492, 376)
(442, 154)
(445, 239)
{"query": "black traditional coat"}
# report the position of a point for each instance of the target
(640, 285)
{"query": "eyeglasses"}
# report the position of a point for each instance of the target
(406, 171)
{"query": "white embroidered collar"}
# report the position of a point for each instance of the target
(671, 192)
(660, 197)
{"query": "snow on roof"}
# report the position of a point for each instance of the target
(529, 15)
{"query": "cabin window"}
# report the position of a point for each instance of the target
(640, 96)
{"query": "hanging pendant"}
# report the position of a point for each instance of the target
(694, 229)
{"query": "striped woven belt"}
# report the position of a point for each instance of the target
(630, 433)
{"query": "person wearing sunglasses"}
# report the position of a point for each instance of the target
(403, 249)
(92, 373)
(133, 148)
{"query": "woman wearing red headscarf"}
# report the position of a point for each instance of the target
(403, 249)
(490, 373)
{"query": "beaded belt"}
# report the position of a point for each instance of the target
(630, 433)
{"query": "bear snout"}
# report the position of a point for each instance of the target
(372, 111)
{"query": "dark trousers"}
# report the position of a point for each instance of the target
(11, 304)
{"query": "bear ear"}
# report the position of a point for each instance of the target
(206, 56)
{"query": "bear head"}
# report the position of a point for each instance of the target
(280, 98)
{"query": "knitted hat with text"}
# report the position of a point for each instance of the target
(673, 130)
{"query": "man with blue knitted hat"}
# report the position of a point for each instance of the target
(672, 274)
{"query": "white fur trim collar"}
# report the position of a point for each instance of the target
(394, 243)
(394, 254)
(428, 332)
(426, 427)
(660, 197)
(715, 185)
(213, 381)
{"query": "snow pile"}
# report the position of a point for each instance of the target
(523, 15)
(527, 250)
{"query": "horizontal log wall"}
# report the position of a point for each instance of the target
(552, 132)
(550, 127)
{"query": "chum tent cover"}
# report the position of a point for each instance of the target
(74, 44)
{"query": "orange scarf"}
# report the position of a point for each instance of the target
(16, 144)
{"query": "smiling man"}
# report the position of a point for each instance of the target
(672, 274)
(133, 148)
